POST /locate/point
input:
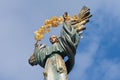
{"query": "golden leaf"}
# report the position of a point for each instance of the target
(54, 18)
(41, 31)
(39, 37)
(75, 17)
(55, 23)
(48, 25)
(47, 22)
(60, 19)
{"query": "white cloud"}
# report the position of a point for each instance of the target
(88, 67)
(113, 69)
(84, 59)
(106, 70)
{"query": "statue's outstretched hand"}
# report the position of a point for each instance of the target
(36, 44)
(32, 61)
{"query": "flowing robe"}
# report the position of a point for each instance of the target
(52, 57)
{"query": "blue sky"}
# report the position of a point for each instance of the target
(98, 53)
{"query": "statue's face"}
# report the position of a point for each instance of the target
(53, 39)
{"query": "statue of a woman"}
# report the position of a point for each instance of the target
(51, 58)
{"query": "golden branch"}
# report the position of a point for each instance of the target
(80, 19)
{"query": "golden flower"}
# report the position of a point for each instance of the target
(55, 23)
(48, 25)
(36, 33)
(41, 30)
(54, 18)
(47, 22)
(43, 27)
(38, 37)
(60, 19)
